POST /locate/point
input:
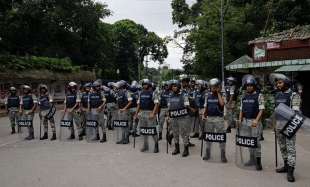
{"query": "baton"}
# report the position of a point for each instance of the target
(202, 138)
(167, 136)
(276, 147)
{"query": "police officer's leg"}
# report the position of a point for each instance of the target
(12, 116)
(220, 128)
(83, 124)
(291, 158)
(53, 127)
(209, 126)
(30, 129)
(78, 123)
(153, 123)
(246, 130)
(102, 123)
(44, 122)
(258, 151)
(162, 117)
(185, 129)
(72, 135)
(176, 134)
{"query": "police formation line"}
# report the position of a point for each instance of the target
(183, 107)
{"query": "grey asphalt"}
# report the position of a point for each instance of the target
(46, 163)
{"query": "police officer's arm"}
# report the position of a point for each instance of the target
(156, 107)
(77, 103)
(104, 100)
(138, 108)
(35, 103)
(21, 105)
(261, 102)
(240, 114)
(221, 99)
(65, 106)
(205, 113)
(296, 101)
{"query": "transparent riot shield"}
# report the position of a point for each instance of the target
(92, 126)
(148, 130)
(214, 141)
(121, 128)
(25, 126)
(66, 132)
(247, 146)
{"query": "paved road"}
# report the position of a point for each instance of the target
(45, 163)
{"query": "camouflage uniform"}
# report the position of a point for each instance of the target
(76, 117)
(181, 125)
(25, 102)
(249, 131)
(44, 103)
(287, 146)
(12, 103)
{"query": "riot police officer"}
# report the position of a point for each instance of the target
(111, 108)
(251, 111)
(12, 106)
(147, 110)
(72, 101)
(287, 146)
(45, 105)
(124, 101)
(28, 104)
(84, 107)
(96, 105)
(178, 105)
(214, 110)
(199, 99)
(134, 92)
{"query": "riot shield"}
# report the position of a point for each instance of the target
(148, 139)
(121, 128)
(92, 126)
(247, 142)
(25, 126)
(66, 132)
(214, 141)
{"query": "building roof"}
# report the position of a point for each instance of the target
(297, 33)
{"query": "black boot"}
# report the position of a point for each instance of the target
(54, 136)
(185, 151)
(156, 149)
(80, 137)
(195, 135)
(251, 162)
(30, 137)
(120, 142)
(207, 155)
(176, 149)
(44, 137)
(259, 166)
(104, 138)
(261, 137)
(290, 174)
(283, 169)
(98, 137)
(223, 156)
(13, 130)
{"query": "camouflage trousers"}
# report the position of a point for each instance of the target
(162, 118)
(145, 121)
(77, 119)
(287, 147)
(132, 125)
(13, 116)
(181, 126)
(215, 125)
(111, 113)
(44, 121)
(249, 131)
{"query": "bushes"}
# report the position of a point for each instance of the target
(10, 62)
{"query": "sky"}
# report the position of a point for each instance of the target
(155, 15)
